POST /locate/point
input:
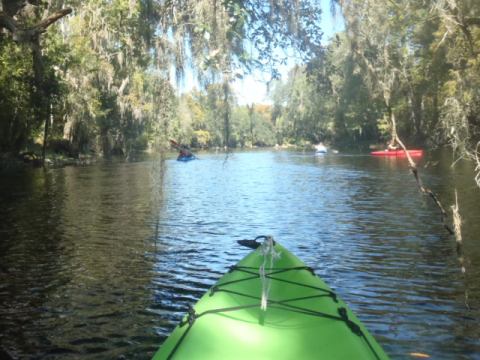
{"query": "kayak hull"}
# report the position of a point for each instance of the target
(304, 319)
(397, 153)
(186, 158)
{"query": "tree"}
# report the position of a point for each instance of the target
(95, 71)
(25, 27)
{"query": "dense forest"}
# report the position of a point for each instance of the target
(413, 63)
(95, 76)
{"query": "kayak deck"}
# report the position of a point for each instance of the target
(304, 318)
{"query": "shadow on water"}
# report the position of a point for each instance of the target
(103, 261)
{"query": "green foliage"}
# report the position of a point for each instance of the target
(225, 39)
(252, 126)
(106, 74)
(106, 70)
(17, 121)
(200, 139)
(413, 62)
(302, 111)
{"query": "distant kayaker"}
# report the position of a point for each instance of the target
(320, 148)
(184, 152)
(183, 149)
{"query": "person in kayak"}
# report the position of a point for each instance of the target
(184, 152)
(320, 148)
(393, 146)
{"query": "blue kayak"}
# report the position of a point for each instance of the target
(186, 158)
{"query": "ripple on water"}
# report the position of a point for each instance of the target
(103, 261)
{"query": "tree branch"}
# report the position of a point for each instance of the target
(423, 189)
(20, 34)
(42, 25)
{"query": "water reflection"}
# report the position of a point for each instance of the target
(75, 261)
(103, 261)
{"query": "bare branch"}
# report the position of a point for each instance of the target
(457, 223)
(477, 167)
(423, 189)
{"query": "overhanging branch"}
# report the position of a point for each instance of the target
(42, 25)
(20, 34)
(423, 189)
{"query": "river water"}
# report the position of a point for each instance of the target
(101, 262)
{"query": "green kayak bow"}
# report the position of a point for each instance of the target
(303, 319)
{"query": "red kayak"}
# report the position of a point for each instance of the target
(398, 153)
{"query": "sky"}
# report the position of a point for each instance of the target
(253, 88)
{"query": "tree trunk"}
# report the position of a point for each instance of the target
(250, 114)
(226, 93)
(31, 35)
(45, 135)
(394, 127)
(40, 93)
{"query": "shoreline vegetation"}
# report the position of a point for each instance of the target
(58, 159)
(105, 78)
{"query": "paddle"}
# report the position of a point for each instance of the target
(182, 148)
(175, 144)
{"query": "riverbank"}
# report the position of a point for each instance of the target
(12, 162)
(58, 157)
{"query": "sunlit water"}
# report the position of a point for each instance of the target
(101, 262)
